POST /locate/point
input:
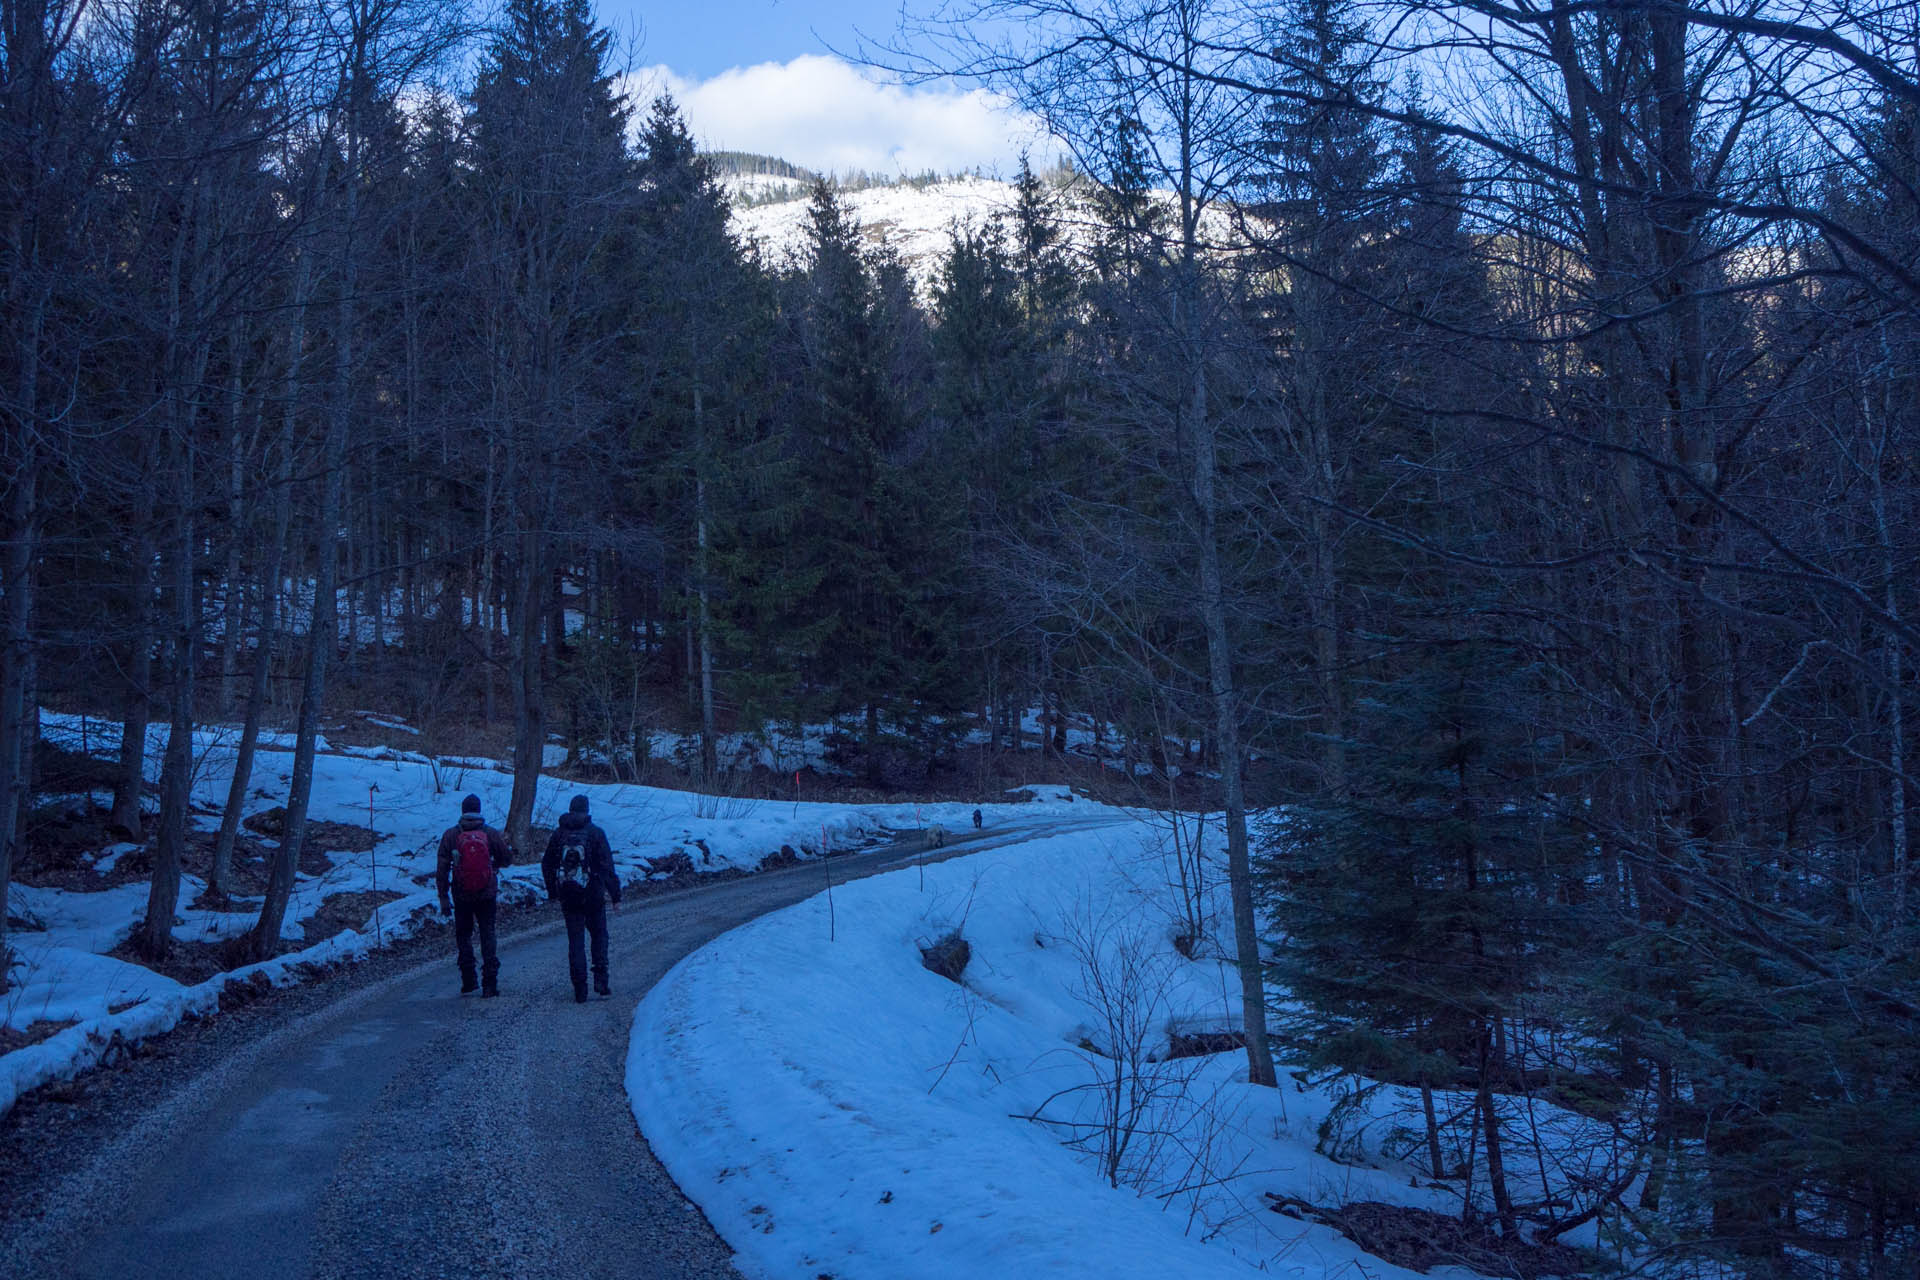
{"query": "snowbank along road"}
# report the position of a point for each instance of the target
(403, 1130)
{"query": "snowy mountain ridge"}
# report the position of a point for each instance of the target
(917, 219)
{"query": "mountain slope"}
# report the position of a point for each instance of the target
(918, 219)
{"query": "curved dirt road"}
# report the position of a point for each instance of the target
(403, 1130)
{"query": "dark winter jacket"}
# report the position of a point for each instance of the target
(602, 879)
(496, 845)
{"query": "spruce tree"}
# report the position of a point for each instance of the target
(877, 533)
(1131, 223)
(695, 378)
(1004, 319)
(1038, 254)
(553, 190)
(1316, 175)
(1417, 911)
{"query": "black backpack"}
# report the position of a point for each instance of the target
(575, 871)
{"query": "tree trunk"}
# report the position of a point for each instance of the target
(155, 939)
(529, 711)
(1496, 1165)
(233, 606)
(1655, 1185)
(1896, 784)
(350, 654)
(187, 353)
(323, 631)
(1434, 1158)
(265, 939)
(129, 790)
(709, 739)
(16, 616)
(1313, 347)
(483, 605)
(1226, 720)
(220, 875)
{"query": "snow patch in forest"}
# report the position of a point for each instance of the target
(61, 972)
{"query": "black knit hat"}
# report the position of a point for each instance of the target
(579, 805)
(470, 805)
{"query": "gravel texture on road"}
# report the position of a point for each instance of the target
(376, 1123)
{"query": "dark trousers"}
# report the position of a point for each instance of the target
(589, 917)
(468, 912)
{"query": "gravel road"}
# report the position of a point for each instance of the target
(378, 1124)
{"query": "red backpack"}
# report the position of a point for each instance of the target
(472, 861)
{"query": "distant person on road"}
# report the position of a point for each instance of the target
(471, 854)
(976, 819)
(578, 867)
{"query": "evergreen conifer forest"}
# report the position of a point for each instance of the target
(1475, 440)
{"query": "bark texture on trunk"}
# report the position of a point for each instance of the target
(529, 707)
(126, 818)
(176, 770)
(323, 633)
(1202, 449)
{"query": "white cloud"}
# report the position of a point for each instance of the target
(822, 113)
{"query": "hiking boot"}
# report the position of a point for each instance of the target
(579, 995)
(491, 989)
(601, 988)
(468, 986)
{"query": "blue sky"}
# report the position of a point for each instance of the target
(757, 75)
(705, 37)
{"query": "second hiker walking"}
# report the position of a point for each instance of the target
(578, 867)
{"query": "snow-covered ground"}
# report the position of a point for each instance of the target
(837, 1109)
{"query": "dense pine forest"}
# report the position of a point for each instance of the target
(1473, 437)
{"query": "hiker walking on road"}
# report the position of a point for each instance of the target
(471, 853)
(579, 870)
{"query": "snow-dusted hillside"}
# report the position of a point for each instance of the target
(763, 188)
(917, 221)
